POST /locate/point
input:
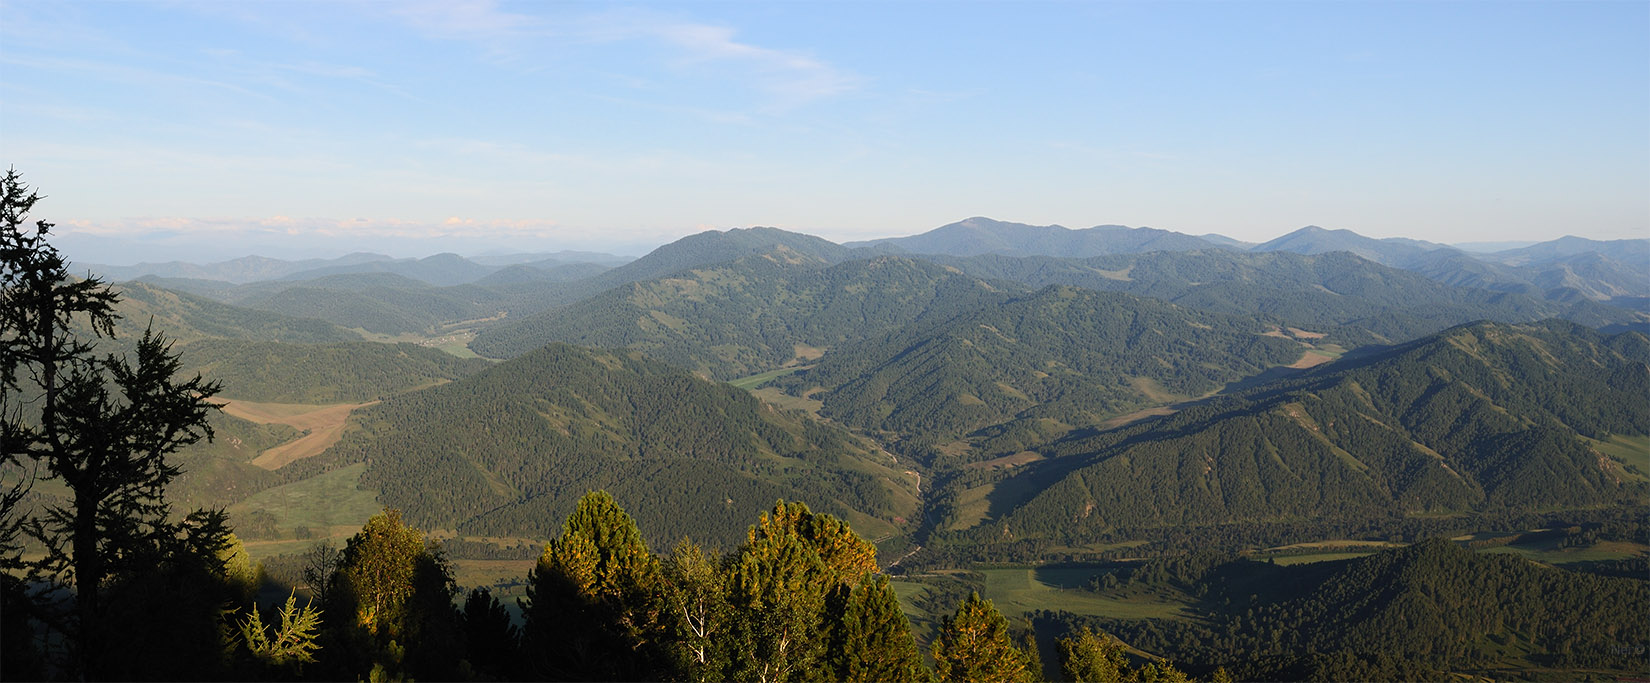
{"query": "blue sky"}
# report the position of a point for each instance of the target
(214, 129)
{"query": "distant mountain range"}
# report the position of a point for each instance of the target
(439, 270)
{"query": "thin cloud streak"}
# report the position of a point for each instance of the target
(791, 79)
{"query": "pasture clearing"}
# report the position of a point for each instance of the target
(1017, 591)
(331, 504)
(323, 427)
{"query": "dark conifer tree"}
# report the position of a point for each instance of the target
(593, 604)
(491, 638)
(974, 645)
(101, 425)
(871, 638)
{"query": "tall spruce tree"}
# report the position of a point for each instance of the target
(101, 425)
(871, 638)
(593, 607)
(491, 638)
(792, 560)
(1088, 657)
(975, 645)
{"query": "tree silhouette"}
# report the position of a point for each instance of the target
(593, 609)
(103, 426)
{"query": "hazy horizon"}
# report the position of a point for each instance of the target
(84, 249)
(194, 130)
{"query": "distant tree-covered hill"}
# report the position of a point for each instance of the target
(1392, 251)
(980, 235)
(1069, 354)
(1356, 300)
(383, 303)
(186, 317)
(1588, 276)
(441, 270)
(234, 271)
(752, 314)
(1480, 418)
(1418, 613)
(321, 373)
(508, 450)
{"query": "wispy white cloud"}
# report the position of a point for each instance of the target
(793, 78)
(126, 73)
(465, 19)
(788, 78)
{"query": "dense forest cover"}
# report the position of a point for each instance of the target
(1484, 417)
(1063, 353)
(505, 450)
(1415, 613)
(752, 314)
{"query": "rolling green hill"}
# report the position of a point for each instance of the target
(315, 373)
(382, 303)
(508, 450)
(1063, 353)
(1481, 418)
(187, 317)
(749, 315)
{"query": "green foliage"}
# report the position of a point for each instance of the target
(793, 560)
(390, 598)
(698, 613)
(873, 639)
(292, 643)
(974, 645)
(1088, 657)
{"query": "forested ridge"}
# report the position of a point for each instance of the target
(504, 450)
(1355, 301)
(1484, 417)
(749, 315)
(1064, 353)
(186, 317)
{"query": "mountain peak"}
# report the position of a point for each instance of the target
(980, 235)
